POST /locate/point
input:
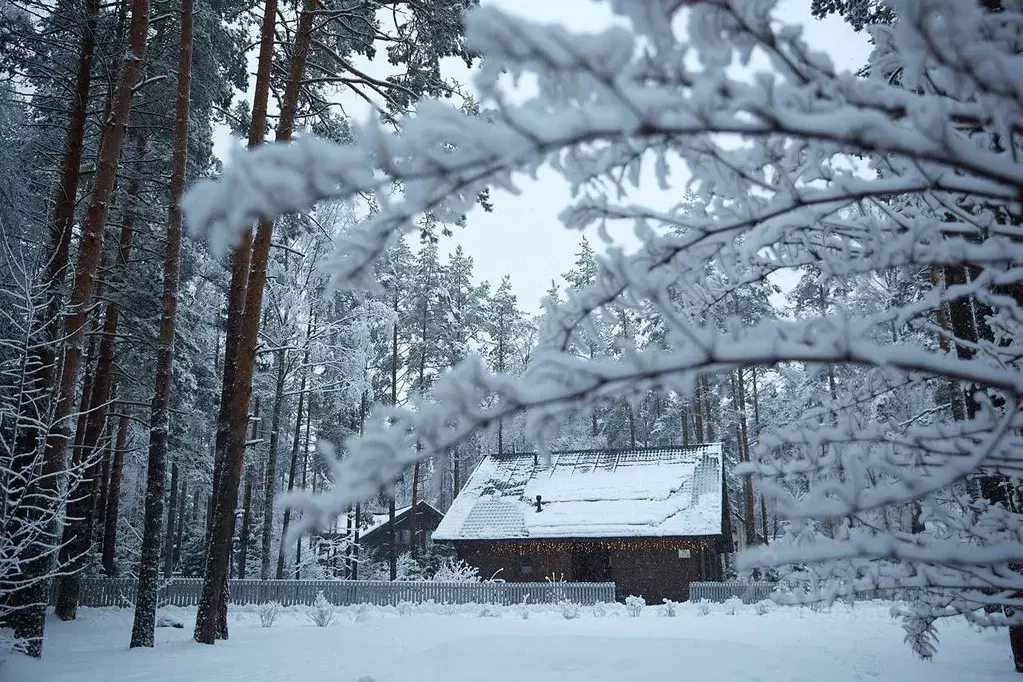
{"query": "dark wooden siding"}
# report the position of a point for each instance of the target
(427, 521)
(651, 568)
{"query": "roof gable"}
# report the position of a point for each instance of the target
(380, 521)
(657, 492)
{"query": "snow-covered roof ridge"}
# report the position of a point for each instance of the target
(634, 492)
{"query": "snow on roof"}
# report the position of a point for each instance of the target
(381, 519)
(657, 492)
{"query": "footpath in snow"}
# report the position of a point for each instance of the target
(480, 644)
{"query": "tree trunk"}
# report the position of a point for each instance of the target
(698, 410)
(355, 543)
(750, 521)
(142, 632)
(30, 621)
(172, 510)
(114, 497)
(305, 470)
(392, 557)
(71, 550)
(270, 485)
(243, 539)
(77, 531)
(296, 439)
(245, 354)
(180, 530)
(100, 510)
(41, 362)
(208, 621)
(291, 478)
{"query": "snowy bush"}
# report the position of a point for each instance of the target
(703, 607)
(634, 605)
(668, 608)
(322, 612)
(268, 613)
(569, 609)
(763, 607)
(456, 571)
(599, 610)
(406, 608)
(489, 611)
(522, 608)
(733, 605)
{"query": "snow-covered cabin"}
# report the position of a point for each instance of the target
(647, 519)
(376, 537)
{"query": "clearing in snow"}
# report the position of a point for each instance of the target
(479, 644)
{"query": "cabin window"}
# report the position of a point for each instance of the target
(525, 565)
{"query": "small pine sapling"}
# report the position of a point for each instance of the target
(323, 612)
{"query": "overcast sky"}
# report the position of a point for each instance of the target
(523, 237)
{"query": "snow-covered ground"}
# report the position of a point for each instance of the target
(455, 644)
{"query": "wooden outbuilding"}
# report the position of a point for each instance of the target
(648, 520)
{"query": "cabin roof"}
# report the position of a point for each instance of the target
(655, 492)
(380, 520)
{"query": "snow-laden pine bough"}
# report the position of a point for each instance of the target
(900, 473)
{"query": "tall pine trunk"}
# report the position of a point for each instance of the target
(30, 620)
(114, 498)
(750, 521)
(172, 511)
(210, 619)
(41, 362)
(77, 530)
(144, 622)
(270, 484)
(296, 439)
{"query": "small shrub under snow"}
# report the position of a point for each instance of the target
(268, 613)
(490, 611)
(703, 607)
(406, 608)
(456, 571)
(322, 612)
(668, 609)
(733, 605)
(763, 607)
(569, 609)
(634, 605)
(599, 610)
(523, 608)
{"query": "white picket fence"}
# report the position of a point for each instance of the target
(749, 593)
(186, 591)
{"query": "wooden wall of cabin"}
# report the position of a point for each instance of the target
(652, 568)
